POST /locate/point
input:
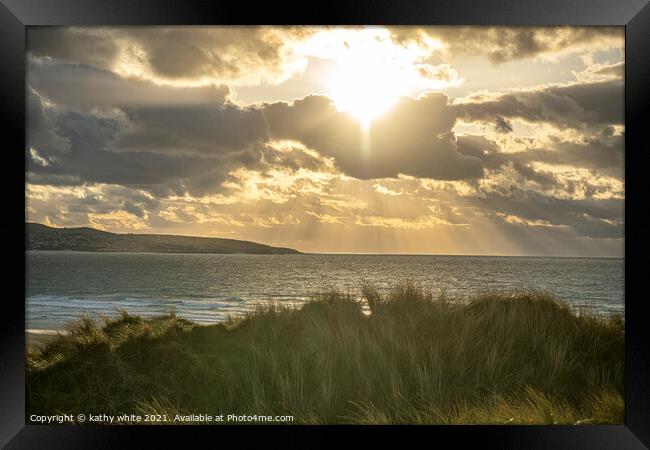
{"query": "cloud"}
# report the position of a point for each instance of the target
(86, 156)
(84, 88)
(503, 44)
(503, 125)
(41, 128)
(92, 46)
(588, 167)
(188, 56)
(215, 130)
(606, 154)
(172, 150)
(494, 158)
(97, 205)
(193, 146)
(441, 72)
(577, 105)
(601, 72)
(413, 138)
(188, 147)
(133, 128)
(587, 218)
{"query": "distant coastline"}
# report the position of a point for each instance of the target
(43, 237)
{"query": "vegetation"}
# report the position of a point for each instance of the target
(42, 237)
(517, 358)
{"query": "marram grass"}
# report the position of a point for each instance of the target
(521, 358)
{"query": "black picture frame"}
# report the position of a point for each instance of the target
(15, 15)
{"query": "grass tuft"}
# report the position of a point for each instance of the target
(498, 358)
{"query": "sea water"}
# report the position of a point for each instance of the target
(61, 286)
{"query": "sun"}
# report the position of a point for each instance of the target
(365, 72)
(364, 88)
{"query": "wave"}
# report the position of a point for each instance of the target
(52, 312)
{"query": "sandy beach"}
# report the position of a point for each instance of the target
(35, 339)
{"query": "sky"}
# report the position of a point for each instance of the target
(419, 140)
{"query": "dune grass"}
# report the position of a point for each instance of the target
(517, 358)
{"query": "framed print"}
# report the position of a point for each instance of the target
(361, 218)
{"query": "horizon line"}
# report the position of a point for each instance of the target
(494, 255)
(301, 253)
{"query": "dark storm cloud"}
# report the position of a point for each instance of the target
(493, 158)
(94, 46)
(86, 158)
(97, 127)
(149, 117)
(591, 217)
(294, 159)
(579, 106)
(112, 198)
(503, 44)
(192, 148)
(171, 53)
(503, 125)
(179, 52)
(199, 129)
(169, 150)
(89, 162)
(81, 87)
(413, 138)
(604, 154)
(193, 52)
(543, 178)
(41, 126)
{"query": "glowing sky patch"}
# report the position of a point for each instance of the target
(333, 139)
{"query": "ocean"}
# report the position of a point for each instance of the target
(62, 285)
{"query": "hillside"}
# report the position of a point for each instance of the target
(42, 237)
